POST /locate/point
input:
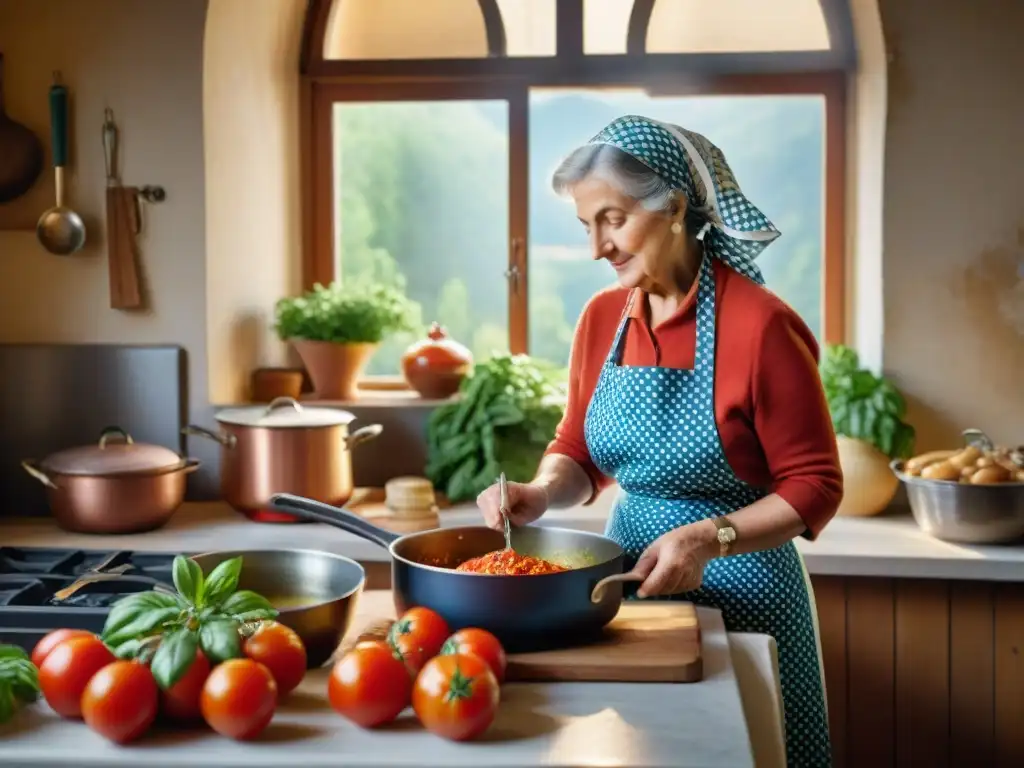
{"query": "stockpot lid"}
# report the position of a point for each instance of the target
(285, 413)
(115, 453)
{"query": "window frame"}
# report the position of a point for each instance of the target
(324, 83)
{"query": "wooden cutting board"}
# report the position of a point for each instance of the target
(647, 642)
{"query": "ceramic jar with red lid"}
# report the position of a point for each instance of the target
(435, 366)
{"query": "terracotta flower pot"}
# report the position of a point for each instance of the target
(334, 368)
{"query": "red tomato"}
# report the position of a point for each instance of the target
(456, 696)
(280, 650)
(239, 698)
(52, 640)
(181, 701)
(67, 669)
(120, 701)
(483, 644)
(418, 636)
(369, 685)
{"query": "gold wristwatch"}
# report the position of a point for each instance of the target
(726, 535)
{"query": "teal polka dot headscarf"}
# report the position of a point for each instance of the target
(737, 231)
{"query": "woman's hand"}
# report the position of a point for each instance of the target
(526, 504)
(675, 562)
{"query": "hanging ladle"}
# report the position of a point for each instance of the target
(60, 230)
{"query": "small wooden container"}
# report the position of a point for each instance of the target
(269, 383)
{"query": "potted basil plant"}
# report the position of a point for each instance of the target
(335, 329)
(868, 416)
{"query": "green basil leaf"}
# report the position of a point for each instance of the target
(219, 640)
(127, 609)
(6, 703)
(144, 623)
(222, 581)
(188, 579)
(129, 649)
(175, 655)
(20, 676)
(246, 601)
(12, 652)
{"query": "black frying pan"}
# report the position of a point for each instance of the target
(525, 612)
(21, 154)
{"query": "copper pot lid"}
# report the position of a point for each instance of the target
(285, 413)
(115, 453)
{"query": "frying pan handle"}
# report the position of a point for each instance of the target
(598, 591)
(318, 512)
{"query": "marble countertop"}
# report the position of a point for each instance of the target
(552, 724)
(888, 546)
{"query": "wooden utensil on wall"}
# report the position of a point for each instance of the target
(123, 226)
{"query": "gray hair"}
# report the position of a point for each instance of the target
(625, 173)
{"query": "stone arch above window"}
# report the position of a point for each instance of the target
(439, 29)
(400, 30)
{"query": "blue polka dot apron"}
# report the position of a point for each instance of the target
(653, 430)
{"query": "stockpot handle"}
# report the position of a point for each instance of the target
(318, 512)
(228, 441)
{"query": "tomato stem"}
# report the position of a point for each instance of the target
(460, 686)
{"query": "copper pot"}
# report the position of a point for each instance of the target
(115, 486)
(281, 448)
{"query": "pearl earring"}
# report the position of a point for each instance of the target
(677, 228)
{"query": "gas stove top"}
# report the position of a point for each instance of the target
(29, 577)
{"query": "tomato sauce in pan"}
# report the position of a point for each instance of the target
(506, 562)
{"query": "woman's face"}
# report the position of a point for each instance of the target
(639, 244)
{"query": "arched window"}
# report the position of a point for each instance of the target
(432, 127)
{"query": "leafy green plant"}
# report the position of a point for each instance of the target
(166, 627)
(19, 681)
(865, 406)
(503, 421)
(358, 311)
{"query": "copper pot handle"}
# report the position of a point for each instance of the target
(228, 441)
(109, 432)
(190, 466)
(32, 467)
(362, 435)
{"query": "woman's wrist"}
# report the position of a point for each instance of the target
(702, 536)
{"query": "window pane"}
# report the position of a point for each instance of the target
(529, 27)
(405, 29)
(421, 191)
(736, 26)
(775, 146)
(605, 23)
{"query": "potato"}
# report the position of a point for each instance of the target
(1019, 476)
(990, 475)
(916, 464)
(966, 457)
(984, 461)
(942, 470)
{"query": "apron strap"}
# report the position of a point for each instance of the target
(615, 353)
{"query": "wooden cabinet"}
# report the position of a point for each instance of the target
(923, 672)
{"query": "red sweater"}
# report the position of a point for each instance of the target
(769, 405)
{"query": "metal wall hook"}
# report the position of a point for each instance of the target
(153, 194)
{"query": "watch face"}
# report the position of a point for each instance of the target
(726, 535)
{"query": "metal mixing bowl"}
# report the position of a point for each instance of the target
(324, 586)
(965, 514)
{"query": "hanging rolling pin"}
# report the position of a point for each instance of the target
(60, 229)
(123, 225)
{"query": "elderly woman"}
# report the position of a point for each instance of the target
(695, 389)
